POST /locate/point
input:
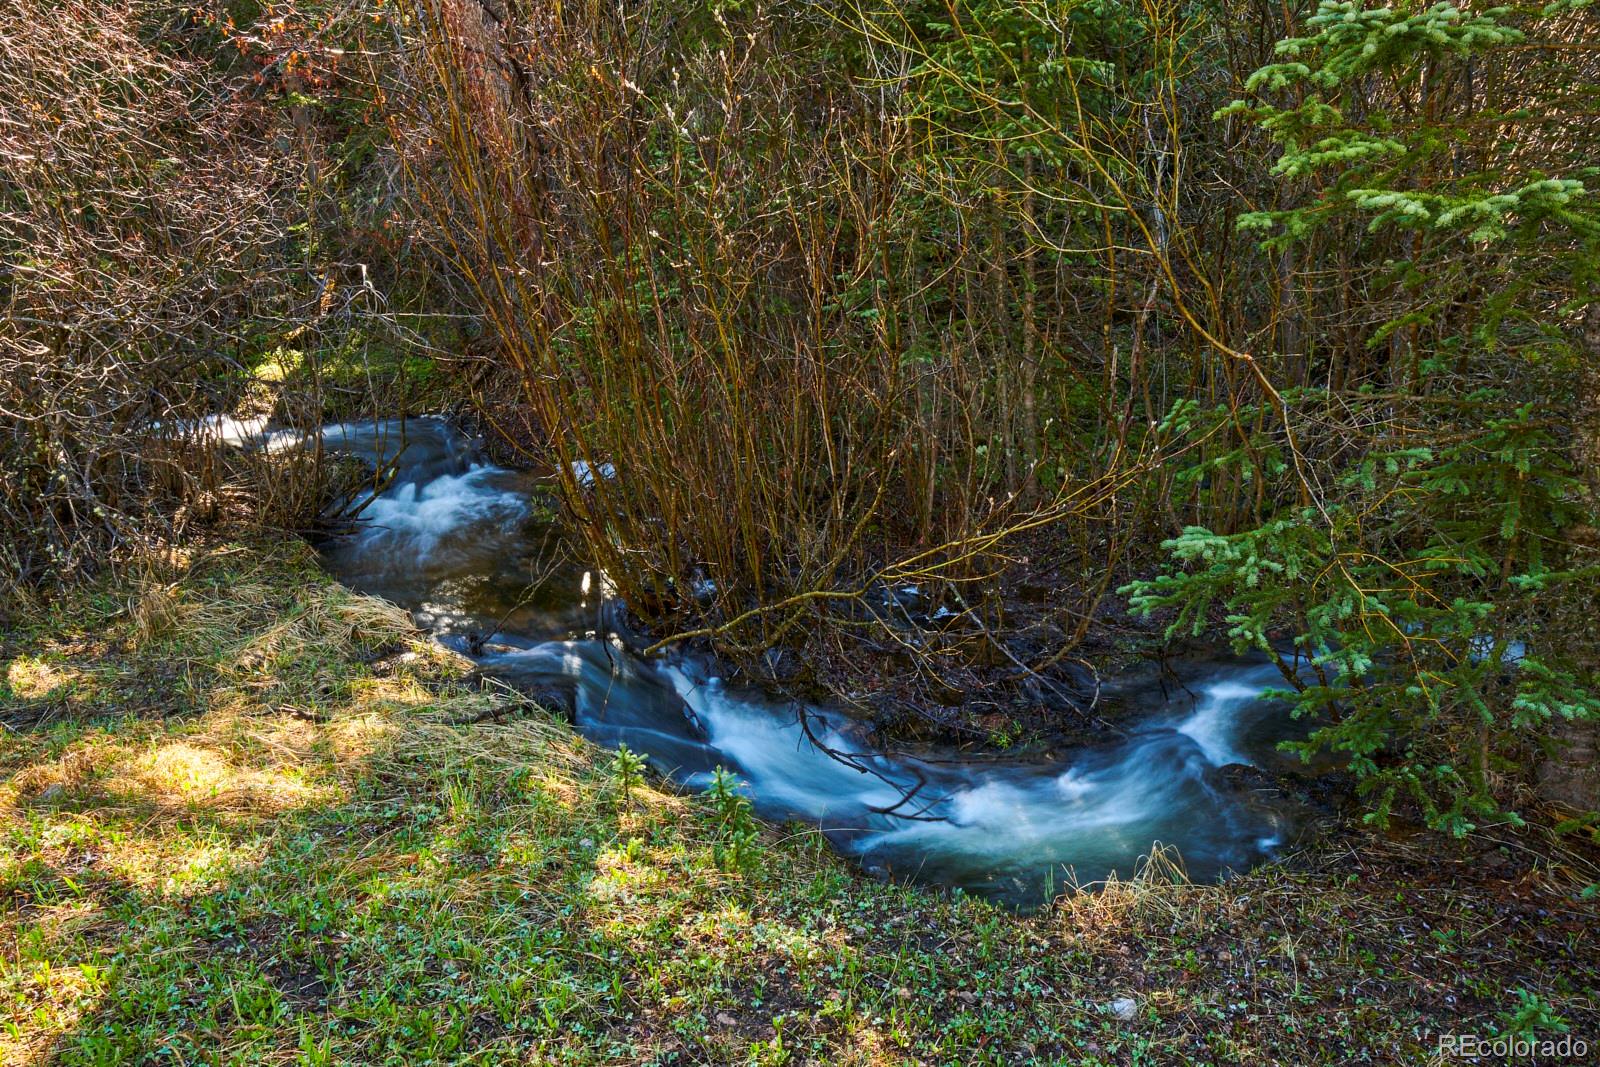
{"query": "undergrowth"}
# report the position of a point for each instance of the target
(249, 817)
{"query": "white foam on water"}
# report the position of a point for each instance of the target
(1223, 711)
(584, 472)
(216, 430)
(1017, 818)
(1214, 723)
(780, 763)
(228, 430)
(423, 515)
(993, 827)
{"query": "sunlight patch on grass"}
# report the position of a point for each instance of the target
(53, 779)
(53, 1000)
(278, 364)
(619, 881)
(156, 609)
(32, 678)
(180, 772)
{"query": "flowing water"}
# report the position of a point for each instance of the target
(471, 550)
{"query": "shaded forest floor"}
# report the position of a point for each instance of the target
(249, 817)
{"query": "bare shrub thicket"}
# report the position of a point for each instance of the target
(815, 331)
(154, 226)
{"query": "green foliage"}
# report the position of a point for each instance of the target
(737, 833)
(1403, 612)
(1019, 73)
(1381, 164)
(1406, 585)
(1532, 1014)
(627, 770)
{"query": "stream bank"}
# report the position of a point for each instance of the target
(243, 808)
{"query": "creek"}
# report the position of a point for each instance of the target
(473, 551)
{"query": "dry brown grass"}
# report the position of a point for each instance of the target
(285, 695)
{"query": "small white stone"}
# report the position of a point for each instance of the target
(1124, 1008)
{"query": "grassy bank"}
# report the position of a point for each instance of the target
(248, 817)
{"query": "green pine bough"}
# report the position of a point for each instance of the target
(1425, 599)
(1401, 615)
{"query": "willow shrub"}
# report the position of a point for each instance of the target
(725, 254)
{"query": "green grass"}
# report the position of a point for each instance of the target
(248, 817)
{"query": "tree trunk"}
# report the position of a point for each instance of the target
(1571, 776)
